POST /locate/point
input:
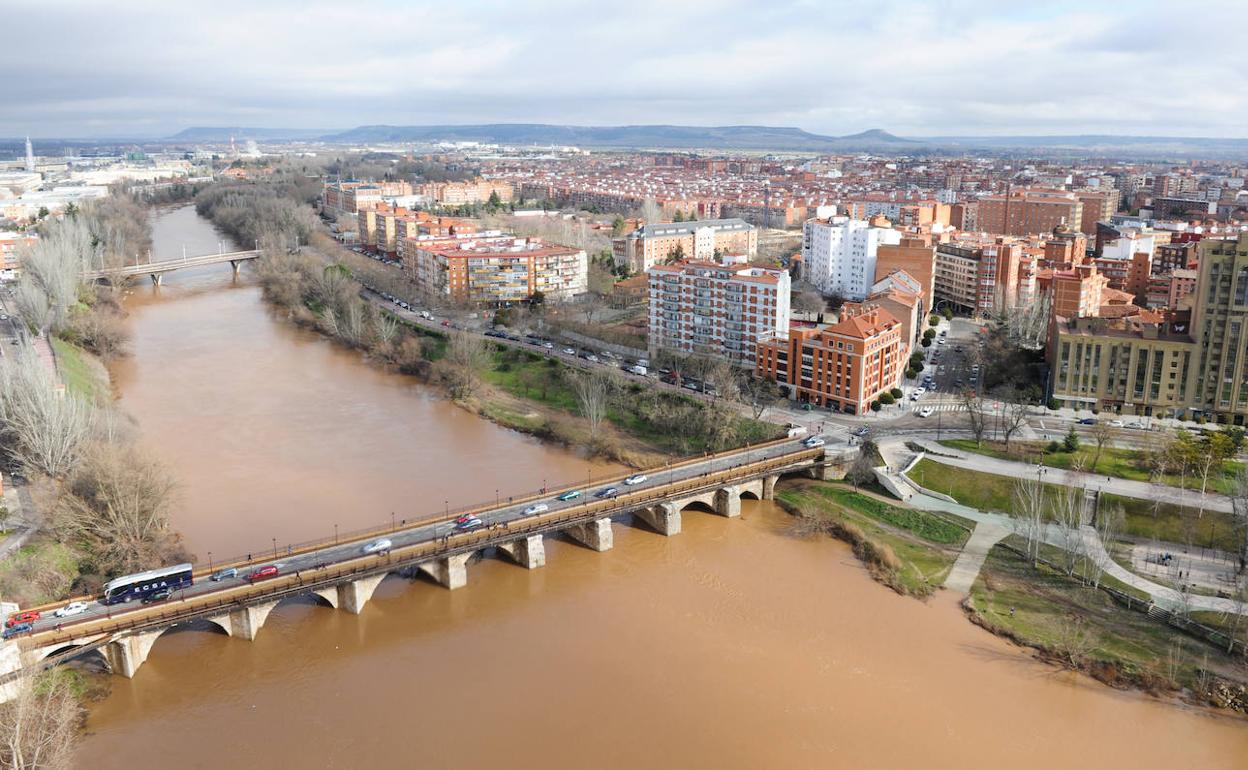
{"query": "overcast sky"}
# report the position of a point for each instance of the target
(133, 68)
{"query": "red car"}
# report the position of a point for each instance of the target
(29, 616)
(267, 571)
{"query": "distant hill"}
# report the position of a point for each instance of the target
(780, 139)
(648, 136)
(657, 136)
(242, 133)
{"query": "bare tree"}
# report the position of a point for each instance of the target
(807, 299)
(974, 405)
(44, 430)
(593, 395)
(650, 212)
(759, 395)
(1109, 527)
(1239, 506)
(386, 327)
(1102, 433)
(1029, 508)
(466, 356)
(1070, 514)
(1014, 414)
(862, 471)
(53, 268)
(120, 498)
(39, 726)
(1218, 448)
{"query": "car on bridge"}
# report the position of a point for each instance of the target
(20, 628)
(267, 571)
(812, 442)
(536, 508)
(607, 492)
(381, 545)
(223, 574)
(163, 594)
(635, 479)
(29, 616)
(73, 608)
(571, 494)
(468, 524)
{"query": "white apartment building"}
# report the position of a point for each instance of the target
(717, 309)
(838, 254)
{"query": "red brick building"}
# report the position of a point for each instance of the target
(844, 366)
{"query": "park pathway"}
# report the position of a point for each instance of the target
(1141, 490)
(966, 568)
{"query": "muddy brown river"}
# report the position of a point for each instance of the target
(731, 645)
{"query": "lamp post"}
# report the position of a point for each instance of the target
(335, 533)
(274, 548)
(210, 561)
(392, 525)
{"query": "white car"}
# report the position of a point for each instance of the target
(926, 411)
(377, 546)
(917, 393)
(73, 608)
(812, 442)
(635, 479)
(569, 351)
(537, 508)
(1117, 424)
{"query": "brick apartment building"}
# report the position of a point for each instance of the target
(721, 309)
(497, 269)
(844, 366)
(978, 276)
(654, 244)
(1029, 212)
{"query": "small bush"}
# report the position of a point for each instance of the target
(875, 405)
(896, 393)
(886, 398)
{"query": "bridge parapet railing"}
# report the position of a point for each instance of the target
(267, 554)
(302, 581)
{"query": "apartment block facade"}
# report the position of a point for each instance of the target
(702, 241)
(720, 309)
(844, 366)
(1029, 212)
(979, 278)
(839, 254)
(498, 270)
(1180, 363)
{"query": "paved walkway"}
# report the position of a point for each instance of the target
(1124, 487)
(966, 568)
(1090, 545)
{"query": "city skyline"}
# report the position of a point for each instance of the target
(832, 69)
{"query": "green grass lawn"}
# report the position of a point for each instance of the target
(533, 377)
(926, 544)
(1119, 462)
(79, 376)
(1043, 607)
(1143, 518)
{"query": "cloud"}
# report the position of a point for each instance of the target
(918, 68)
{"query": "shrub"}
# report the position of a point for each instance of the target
(927, 343)
(1071, 442)
(896, 393)
(929, 334)
(948, 313)
(1054, 404)
(1052, 447)
(934, 320)
(875, 405)
(887, 398)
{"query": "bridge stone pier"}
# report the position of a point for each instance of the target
(450, 572)
(352, 596)
(595, 534)
(125, 655)
(528, 552)
(663, 518)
